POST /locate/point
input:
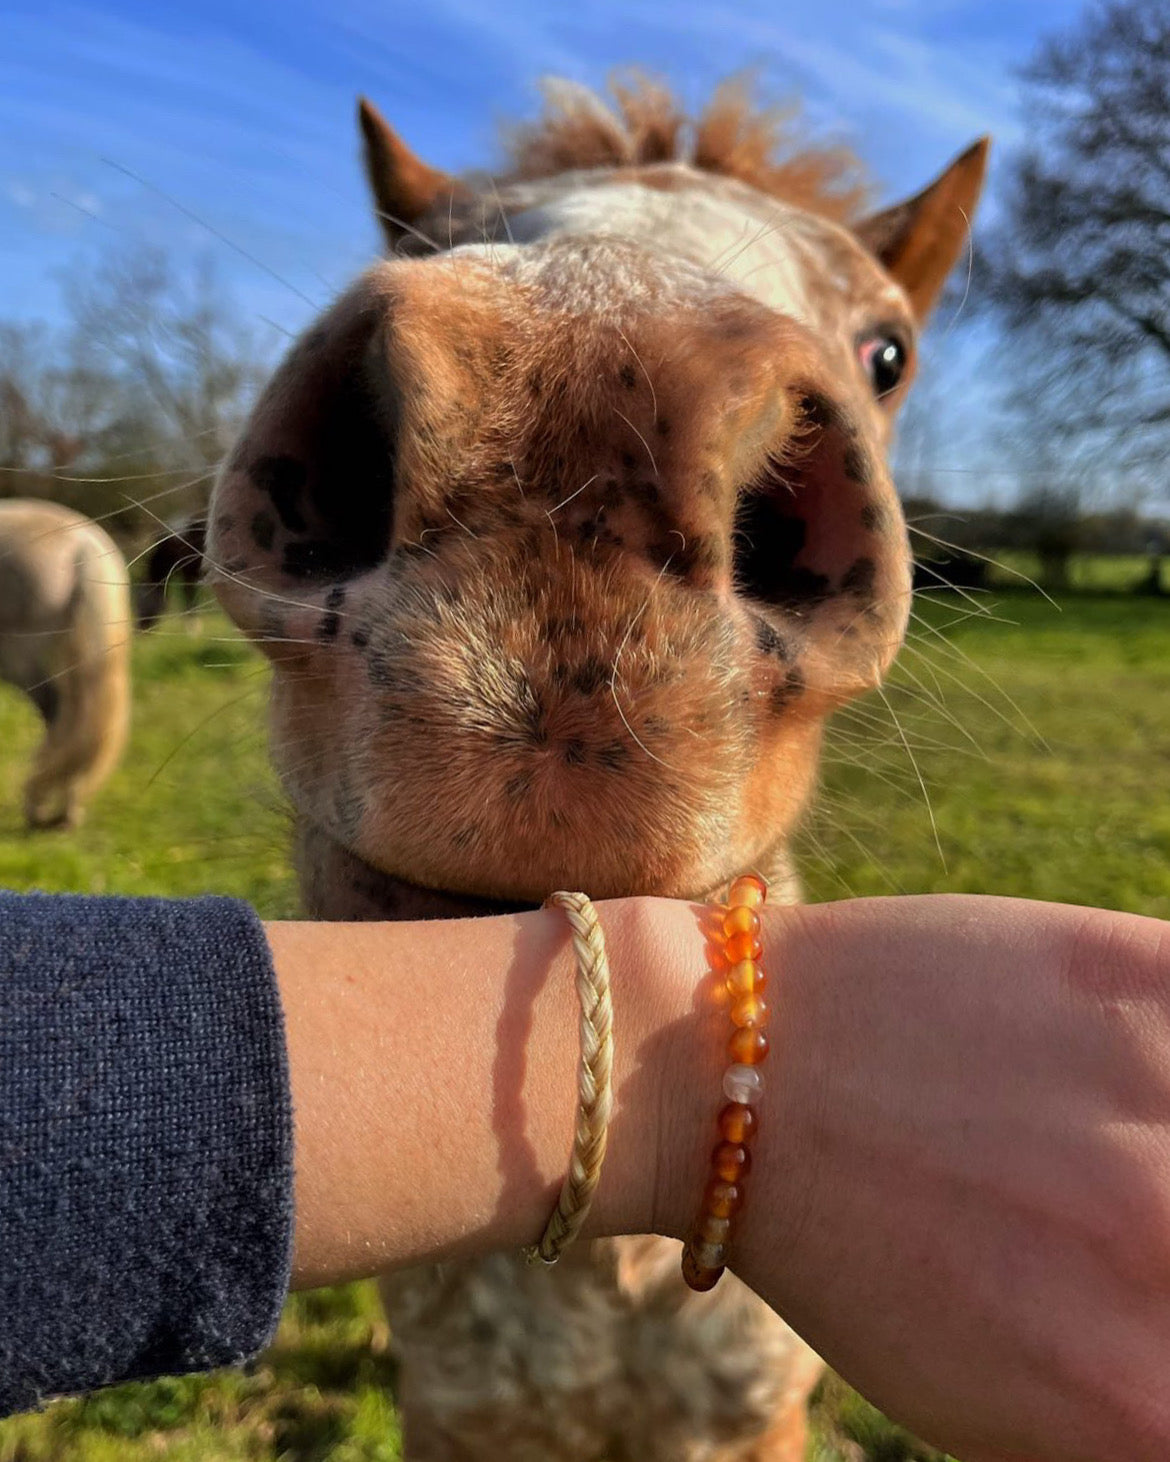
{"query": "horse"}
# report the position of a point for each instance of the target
(177, 556)
(564, 529)
(65, 642)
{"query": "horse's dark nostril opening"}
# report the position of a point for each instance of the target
(319, 467)
(813, 528)
(348, 498)
(769, 537)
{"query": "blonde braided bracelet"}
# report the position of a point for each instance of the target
(594, 1079)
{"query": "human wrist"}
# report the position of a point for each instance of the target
(652, 987)
(673, 1039)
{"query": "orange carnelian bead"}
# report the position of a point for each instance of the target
(745, 978)
(748, 1046)
(737, 1122)
(743, 945)
(717, 958)
(722, 1200)
(696, 1276)
(749, 1010)
(731, 1161)
(741, 920)
(749, 891)
(713, 1230)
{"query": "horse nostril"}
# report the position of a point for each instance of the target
(770, 536)
(817, 526)
(308, 493)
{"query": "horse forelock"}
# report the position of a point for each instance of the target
(647, 125)
(586, 484)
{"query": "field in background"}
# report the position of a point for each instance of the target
(1042, 737)
(1089, 573)
(192, 808)
(1021, 750)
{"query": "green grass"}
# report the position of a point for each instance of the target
(1043, 743)
(193, 806)
(1036, 739)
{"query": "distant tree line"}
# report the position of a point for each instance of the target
(124, 409)
(951, 543)
(1117, 531)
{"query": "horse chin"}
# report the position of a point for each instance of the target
(337, 884)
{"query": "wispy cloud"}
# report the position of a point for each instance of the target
(243, 114)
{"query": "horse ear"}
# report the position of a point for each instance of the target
(920, 239)
(404, 187)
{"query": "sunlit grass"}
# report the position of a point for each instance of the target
(193, 808)
(1045, 761)
(1090, 573)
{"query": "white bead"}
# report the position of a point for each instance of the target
(709, 1256)
(743, 1084)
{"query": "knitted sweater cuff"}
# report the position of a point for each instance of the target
(145, 1141)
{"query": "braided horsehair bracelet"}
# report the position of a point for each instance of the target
(594, 1079)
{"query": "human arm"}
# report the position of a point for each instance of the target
(961, 1188)
(961, 1192)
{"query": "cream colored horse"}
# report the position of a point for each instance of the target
(65, 642)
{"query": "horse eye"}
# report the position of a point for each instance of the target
(884, 359)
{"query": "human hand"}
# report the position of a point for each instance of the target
(961, 1190)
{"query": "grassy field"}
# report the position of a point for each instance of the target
(1092, 573)
(1021, 749)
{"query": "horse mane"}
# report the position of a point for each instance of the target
(646, 124)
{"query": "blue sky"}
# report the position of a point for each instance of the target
(242, 115)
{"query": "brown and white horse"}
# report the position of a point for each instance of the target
(65, 642)
(564, 530)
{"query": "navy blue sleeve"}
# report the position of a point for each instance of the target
(145, 1141)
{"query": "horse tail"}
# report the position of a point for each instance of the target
(91, 712)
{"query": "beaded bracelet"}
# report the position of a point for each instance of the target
(734, 953)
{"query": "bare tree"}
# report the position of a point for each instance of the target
(52, 408)
(125, 411)
(1078, 267)
(174, 341)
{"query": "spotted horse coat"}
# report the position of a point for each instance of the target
(564, 530)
